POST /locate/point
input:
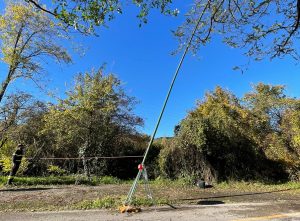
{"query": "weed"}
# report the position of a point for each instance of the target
(109, 202)
(103, 203)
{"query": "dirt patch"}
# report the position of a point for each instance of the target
(53, 197)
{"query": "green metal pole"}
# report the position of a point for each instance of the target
(133, 188)
(170, 90)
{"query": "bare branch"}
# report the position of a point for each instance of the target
(296, 26)
(37, 5)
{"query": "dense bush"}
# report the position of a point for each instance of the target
(226, 138)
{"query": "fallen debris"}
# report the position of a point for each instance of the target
(129, 209)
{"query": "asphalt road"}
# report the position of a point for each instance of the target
(205, 210)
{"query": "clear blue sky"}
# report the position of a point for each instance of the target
(141, 58)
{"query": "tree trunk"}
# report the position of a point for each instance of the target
(84, 161)
(5, 83)
(3, 141)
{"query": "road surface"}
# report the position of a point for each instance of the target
(285, 210)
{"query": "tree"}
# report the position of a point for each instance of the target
(20, 115)
(27, 36)
(12, 112)
(263, 28)
(84, 15)
(93, 119)
(227, 138)
(20, 122)
(278, 122)
(269, 102)
(291, 131)
(214, 138)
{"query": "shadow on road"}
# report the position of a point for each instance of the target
(236, 195)
(183, 208)
(26, 189)
(210, 202)
(166, 209)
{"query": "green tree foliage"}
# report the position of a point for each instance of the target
(290, 127)
(220, 129)
(262, 28)
(95, 119)
(84, 15)
(269, 102)
(16, 111)
(279, 122)
(11, 112)
(21, 122)
(27, 36)
(6, 153)
(226, 138)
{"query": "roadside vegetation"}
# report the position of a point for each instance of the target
(60, 193)
(62, 180)
(254, 138)
(159, 182)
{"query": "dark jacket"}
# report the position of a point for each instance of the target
(17, 157)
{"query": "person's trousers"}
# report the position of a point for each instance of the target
(13, 172)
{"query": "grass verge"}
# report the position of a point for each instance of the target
(61, 180)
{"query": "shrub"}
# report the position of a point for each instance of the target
(56, 170)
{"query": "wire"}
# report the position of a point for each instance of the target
(86, 158)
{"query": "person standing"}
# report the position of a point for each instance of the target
(16, 159)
